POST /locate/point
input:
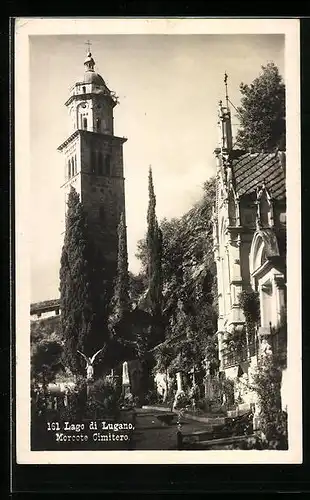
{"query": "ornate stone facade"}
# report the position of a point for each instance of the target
(249, 230)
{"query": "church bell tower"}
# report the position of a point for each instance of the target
(93, 159)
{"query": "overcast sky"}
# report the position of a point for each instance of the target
(169, 87)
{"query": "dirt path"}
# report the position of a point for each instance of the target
(151, 434)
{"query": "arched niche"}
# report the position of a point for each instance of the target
(264, 245)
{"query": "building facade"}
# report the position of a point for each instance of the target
(249, 230)
(93, 158)
(45, 309)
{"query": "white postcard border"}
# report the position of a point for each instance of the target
(26, 27)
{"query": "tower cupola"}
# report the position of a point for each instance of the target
(89, 62)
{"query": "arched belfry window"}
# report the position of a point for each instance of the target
(84, 123)
(84, 90)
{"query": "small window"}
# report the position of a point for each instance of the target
(98, 124)
(84, 90)
(57, 312)
(84, 123)
(69, 169)
(75, 165)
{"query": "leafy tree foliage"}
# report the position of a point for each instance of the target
(189, 288)
(164, 356)
(267, 385)
(262, 112)
(44, 328)
(137, 286)
(46, 359)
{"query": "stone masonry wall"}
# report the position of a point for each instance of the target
(103, 196)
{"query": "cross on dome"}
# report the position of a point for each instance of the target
(90, 75)
(88, 43)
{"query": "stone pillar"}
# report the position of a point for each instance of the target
(279, 286)
(179, 382)
(220, 290)
(227, 272)
(220, 344)
(235, 280)
(257, 417)
(125, 379)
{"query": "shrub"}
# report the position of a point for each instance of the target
(273, 421)
(152, 397)
(101, 401)
(182, 401)
(103, 398)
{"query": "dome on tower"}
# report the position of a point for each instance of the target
(90, 76)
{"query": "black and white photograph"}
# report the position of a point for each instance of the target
(157, 187)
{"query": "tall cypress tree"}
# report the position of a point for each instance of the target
(79, 291)
(121, 346)
(154, 257)
(121, 300)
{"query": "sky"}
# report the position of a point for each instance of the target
(168, 88)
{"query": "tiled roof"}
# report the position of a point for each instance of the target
(45, 306)
(252, 170)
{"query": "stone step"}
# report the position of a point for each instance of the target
(156, 408)
(197, 436)
(212, 420)
(208, 444)
(240, 425)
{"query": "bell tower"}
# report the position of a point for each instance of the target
(93, 158)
